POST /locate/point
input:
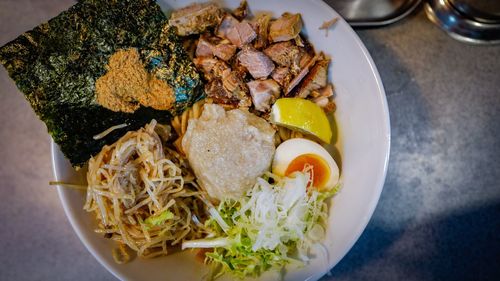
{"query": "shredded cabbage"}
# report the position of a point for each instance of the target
(156, 220)
(274, 225)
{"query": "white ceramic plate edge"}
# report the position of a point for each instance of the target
(72, 220)
(387, 128)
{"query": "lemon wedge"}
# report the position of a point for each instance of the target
(302, 115)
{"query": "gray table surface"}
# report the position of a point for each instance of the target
(439, 214)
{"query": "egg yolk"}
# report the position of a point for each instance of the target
(320, 171)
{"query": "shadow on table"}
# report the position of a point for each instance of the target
(395, 245)
(457, 247)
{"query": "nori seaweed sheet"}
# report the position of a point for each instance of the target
(57, 63)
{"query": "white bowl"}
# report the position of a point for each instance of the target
(363, 122)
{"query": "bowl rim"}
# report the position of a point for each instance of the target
(379, 185)
(361, 225)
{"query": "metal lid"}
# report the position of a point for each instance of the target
(487, 11)
(370, 13)
(470, 21)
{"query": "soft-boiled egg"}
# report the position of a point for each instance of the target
(297, 154)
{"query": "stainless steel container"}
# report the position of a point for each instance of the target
(473, 21)
(371, 13)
